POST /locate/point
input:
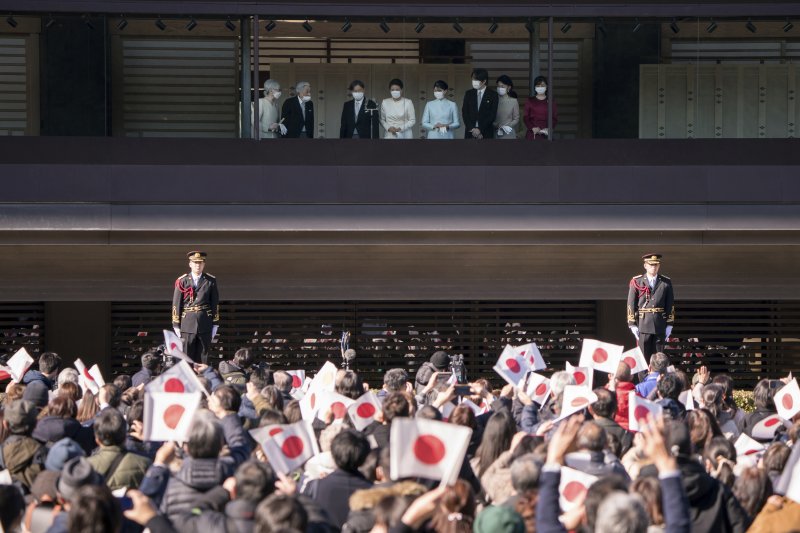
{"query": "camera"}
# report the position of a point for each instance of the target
(457, 367)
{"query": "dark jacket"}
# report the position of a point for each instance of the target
(333, 492)
(754, 418)
(712, 505)
(362, 125)
(143, 376)
(195, 310)
(51, 429)
(660, 299)
(596, 463)
(484, 116)
(292, 115)
(624, 436)
(34, 375)
(24, 458)
(195, 477)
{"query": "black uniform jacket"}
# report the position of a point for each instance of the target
(195, 310)
(652, 310)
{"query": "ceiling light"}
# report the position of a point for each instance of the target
(160, 24)
(712, 27)
(307, 26)
(566, 27)
(271, 25)
(88, 22)
(601, 27)
(121, 25)
(457, 26)
(347, 25)
(750, 26)
(50, 21)
(12, 21)
(419, 27)
(230, 25)
(674, 26)
(493, 27)
(384, 26)
(192, 24)
(637, 26)
(529, 26)
(788, 26)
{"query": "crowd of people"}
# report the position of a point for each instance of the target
(72, 460)
(486, 113)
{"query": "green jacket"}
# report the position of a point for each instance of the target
(24, 457)
(130, 471)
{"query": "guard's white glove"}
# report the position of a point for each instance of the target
(177, 331)
(214, 331)
(669, 331)
(507, 129)
(635, 331)
(283, 129)
(500, 132)
(545, 131)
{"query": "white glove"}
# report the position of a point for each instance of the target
(283, 129)
(443, 129)
(507, 129)
(500, 132)
(669, 331)
(544, 131)
(214, 331)
(635, 331)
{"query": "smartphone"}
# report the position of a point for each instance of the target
(463, 390)
(442, 379)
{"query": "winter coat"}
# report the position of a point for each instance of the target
(754, 418)
(712, 505)
(24, 458)
(595, 463)
(611, 427)
(195, 477)
(496, 481)
(363, 502)
(622, 390)
(51, 429)
(129, 472)
(333, 492)
(773, 519)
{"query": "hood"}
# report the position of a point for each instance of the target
(240, 509)
(226, 367)
(369, 498)
(202, 474)
(53, 428)
(696, 482)
(18, 453)
(35, 375)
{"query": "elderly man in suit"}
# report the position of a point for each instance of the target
(359, 115)
(298, 113)
(480, 107)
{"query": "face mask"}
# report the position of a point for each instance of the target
(541, 90)
(502, 91)
(476, 84)
(438, 94)
(358, 96)
(306, 98)
(276, 94)
(396, 94)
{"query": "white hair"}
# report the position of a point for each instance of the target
(559, 381)
(271, 85)
(300, 86)
(68, 375)
(621, 512)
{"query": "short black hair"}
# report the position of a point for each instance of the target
(280, 512)
(397, 82)
(110, 428)
(261, 377)
(394, 405)
(49, 362)
(539, 80)
(606, 404)
(669, 386)
(254, 481)
(480, 74)
(356, 83)
(349, 450)
(123, 382)
(228, 397)
(13, 507)
(440, 84)
(113, 393)
(395, 379)
(243, 358)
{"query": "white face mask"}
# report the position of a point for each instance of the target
(307, 98)
(502, 91)
(276, 94)
(476, 84)
(358, 96)
(438, 94)
(396, 94)
(541, 90)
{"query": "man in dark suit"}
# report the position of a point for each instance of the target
(651, 307)
(195, 308)
(480, 107)
(298, 113)
(359, 117)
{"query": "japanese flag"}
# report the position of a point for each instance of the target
(601, 356)
(575, 398)
(746, 445)
(86, 379)
(789, 482)
(298, 378)
(572, 487)
(428, 449)
(512, 365)
(172, 342)
(538, 388)
(335, 403)
(583, 375)
(474, 407)
(325, 379)
(19, 363)
(765, 429)
(180, 378)
(446, 410)
(635, 359)
(167, 417)
(535, 359)
(787, 400)
(687, 400)
(362, 411)
(638, 409)
(287, 446)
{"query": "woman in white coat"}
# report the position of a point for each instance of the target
(397, 113)
(269, 113)
(440, 117)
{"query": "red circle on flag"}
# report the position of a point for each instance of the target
(630, 361)
(513, 365)
(429, 449)
(365, 410)
(771, 421)
(174, 385)
(172, 415)
(580, 377)
(338, 409)
(173, 346)
(640, 412)
(573, 490)
(749, 452)
(580, 401)
(313, 400)
(787, 401)
(275, 431)
(540, 389)
(292, 447)
(599, 355)
(296, 382)
(87, 375)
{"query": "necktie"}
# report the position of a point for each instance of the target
(480, 97)
(303, 108)
(358, 108)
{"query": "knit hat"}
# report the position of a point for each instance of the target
(498, 519)
(61, 452)
(77, 473)
(440, 360)
(38, 393)
(21, 416)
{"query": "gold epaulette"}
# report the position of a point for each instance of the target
(181, 277)
(637, 277)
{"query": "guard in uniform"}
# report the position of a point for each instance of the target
(651, 308)
(195, 308)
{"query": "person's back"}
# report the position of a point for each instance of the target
(118, 467)
(22, 455)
